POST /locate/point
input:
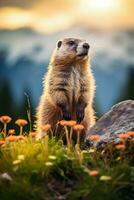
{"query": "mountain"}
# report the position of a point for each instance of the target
(25, 54)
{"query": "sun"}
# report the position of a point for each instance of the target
(101, 5)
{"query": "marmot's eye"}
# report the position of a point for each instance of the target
(71, 43)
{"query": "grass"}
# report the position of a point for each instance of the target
(49, 170)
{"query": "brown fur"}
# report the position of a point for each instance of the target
(68, 88)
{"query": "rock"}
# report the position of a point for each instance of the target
(119, 119)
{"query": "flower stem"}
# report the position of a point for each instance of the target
(78, 138)
(5, 129)
(71, 133)
(21, 130)
(67, 136)
(68, 142)
(51, 131)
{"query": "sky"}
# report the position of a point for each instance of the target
(49, 16)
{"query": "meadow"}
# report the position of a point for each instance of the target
(47, 169)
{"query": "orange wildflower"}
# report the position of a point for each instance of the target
(33, 134)
(11, 138)
(63, 123)
(21, 137)
(123, 136)
(21, 122)
(11, 132)
(78, 127)
(67, 123)
(130, 133)
(94, 137)
(93, 173)
(2, 142)
(5, 119)
(120, 146)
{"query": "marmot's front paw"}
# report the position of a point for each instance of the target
(79, 115)
(66, 115)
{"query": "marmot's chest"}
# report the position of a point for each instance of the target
(75, 84)
(75, 79)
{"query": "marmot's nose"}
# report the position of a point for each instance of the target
(86, 46)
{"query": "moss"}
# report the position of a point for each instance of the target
(46, 171)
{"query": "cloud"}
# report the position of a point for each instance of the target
(54, 15)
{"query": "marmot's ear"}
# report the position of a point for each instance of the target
(59, 44)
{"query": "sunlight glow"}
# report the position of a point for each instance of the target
(101, 5)
(52, 18)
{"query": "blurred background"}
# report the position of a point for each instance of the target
(29, 30)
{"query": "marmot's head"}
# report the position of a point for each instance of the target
(70, 51)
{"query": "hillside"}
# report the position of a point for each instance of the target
(49, 170)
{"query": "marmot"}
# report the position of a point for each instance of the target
(69, 86)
